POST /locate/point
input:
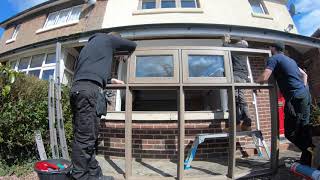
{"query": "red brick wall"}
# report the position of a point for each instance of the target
(90, 19)
(158, 139)
(312, 64)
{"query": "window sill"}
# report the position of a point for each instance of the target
(10, 41)
(264, 16)
(166, 116)
(56, 27)
(167, 10)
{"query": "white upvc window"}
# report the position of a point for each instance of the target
(156, 4)
(258, 7)
(14, 34)
(38, 65)
(63, 17)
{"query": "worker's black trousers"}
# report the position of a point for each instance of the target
(83, 98)
(296, 123)
(242, 110)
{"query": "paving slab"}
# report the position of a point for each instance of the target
(209, 168)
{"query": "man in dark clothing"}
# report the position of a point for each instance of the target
(292, 82)
(92, 73)
(240, 75)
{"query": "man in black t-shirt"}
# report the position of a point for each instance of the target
(92, 73)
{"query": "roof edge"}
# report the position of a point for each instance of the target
(173, 30)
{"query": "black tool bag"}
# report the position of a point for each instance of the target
(101, 106)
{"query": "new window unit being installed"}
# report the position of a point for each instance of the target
(179, 103)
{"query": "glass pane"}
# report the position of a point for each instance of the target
(35, 73)
(36, 61)
(148, 4)
(70, 62)
(188, 3)
(206, 66)
(23, 64)
(13, 64)
(168, 4)
(47, 73)
(51, 19)
(51, 58)
(15, 33)
(63, 16)
(154, 66)
(257, 6)
(75, 14)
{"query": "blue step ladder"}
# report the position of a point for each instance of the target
(200, 138)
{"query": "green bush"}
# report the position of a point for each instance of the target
(24, 109)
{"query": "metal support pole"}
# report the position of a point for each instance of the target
(181, 127)
(232, 131)
(128, 134)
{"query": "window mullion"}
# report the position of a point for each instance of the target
(158, 4)
(29, 64)
(140, 5)
(178, 4)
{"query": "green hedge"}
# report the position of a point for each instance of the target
(24, 109)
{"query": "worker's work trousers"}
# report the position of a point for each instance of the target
(296, 124)
(242, 111)
(84, 97)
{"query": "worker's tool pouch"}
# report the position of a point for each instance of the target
(101, 106)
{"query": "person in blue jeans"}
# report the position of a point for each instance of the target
(293, 84)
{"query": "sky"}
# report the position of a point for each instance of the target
(306, 19)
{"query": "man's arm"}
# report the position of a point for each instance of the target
(304, 76)
(264, 77)
(121, 44)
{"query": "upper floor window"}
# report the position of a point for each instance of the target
(63, 17)
(153, 4)
(258, 7)
(14, 34)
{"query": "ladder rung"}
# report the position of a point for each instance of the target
(222, 135)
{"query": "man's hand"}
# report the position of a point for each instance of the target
(226, 39)
(116, 81)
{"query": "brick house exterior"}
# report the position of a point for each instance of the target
(91, 18)
(157, 139)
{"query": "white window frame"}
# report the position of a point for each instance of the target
(14, 34)
(43, 67)
(159, 2)
(67, 23)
